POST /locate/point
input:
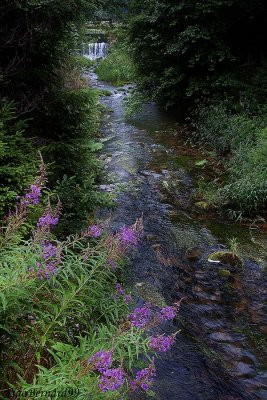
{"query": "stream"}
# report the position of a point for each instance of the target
(220, 352)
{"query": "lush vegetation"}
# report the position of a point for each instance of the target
(65, 321)
(211, 56)
(117, 68)
(46, 104)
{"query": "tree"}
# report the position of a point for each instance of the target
(184, 49)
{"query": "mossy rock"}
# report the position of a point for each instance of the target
(226, 257)
(224, 273)
(150, 294)
(203, 205)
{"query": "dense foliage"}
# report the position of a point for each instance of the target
(185, 49)
(242, 137)
(41, 83)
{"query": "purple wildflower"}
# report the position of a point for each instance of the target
(127, 299)
(113, 265)
(95, 231)
(33, 196)
(47, 220)
(161, 343)
(119, 289)
(168, 313)
(144, 378)
(101, 361)
(47, 271)
(49, 250)
(112, 379)
(128, 236)
(140, 317)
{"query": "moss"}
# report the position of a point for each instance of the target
(203, 205)
(224, 273)
(226, 257)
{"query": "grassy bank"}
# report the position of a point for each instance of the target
(117, 68)
(240, 142)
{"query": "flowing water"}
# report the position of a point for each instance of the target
(94, 51)
(220, 352)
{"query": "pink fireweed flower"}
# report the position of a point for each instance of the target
(95, 231)
(128, 236)
(101, 361)
(119, 289)
(127, 299)
(47, 271)
(144, 379)
(49, 250)
(141, 316)
(168, 313)
(112, 380)
(47, 220)
(161, 343)
(112, 264)
(35, 193)
(32, 197)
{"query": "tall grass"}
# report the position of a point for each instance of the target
(240, 140)
(117, 68)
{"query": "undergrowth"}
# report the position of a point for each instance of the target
(240, 140)
(66, 328)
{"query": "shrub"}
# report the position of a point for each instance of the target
(18, 158)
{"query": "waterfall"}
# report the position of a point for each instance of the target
(96, 50)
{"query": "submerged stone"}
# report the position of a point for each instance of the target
(224, 273)
(193, 254)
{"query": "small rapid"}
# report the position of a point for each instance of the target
(220, 352)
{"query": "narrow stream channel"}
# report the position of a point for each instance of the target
(220, 352)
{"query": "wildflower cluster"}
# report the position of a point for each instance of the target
(32, 197)
(95, 231)
(144, 378)
(34, 194)
(141, 316)
(120, 292)
(168, 313)
(101, 361)
(128, 236)
(112, 380)
(161, 343)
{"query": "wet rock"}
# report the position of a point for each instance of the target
(226, 257)
(242, 369)
(212, 323)
(221, 337)
(263, 329)
(151, 238)
(193, 254)
(150, 294)
(203, 205)
(224, 273)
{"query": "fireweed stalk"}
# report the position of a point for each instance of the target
(112, 378)
(14, 220)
